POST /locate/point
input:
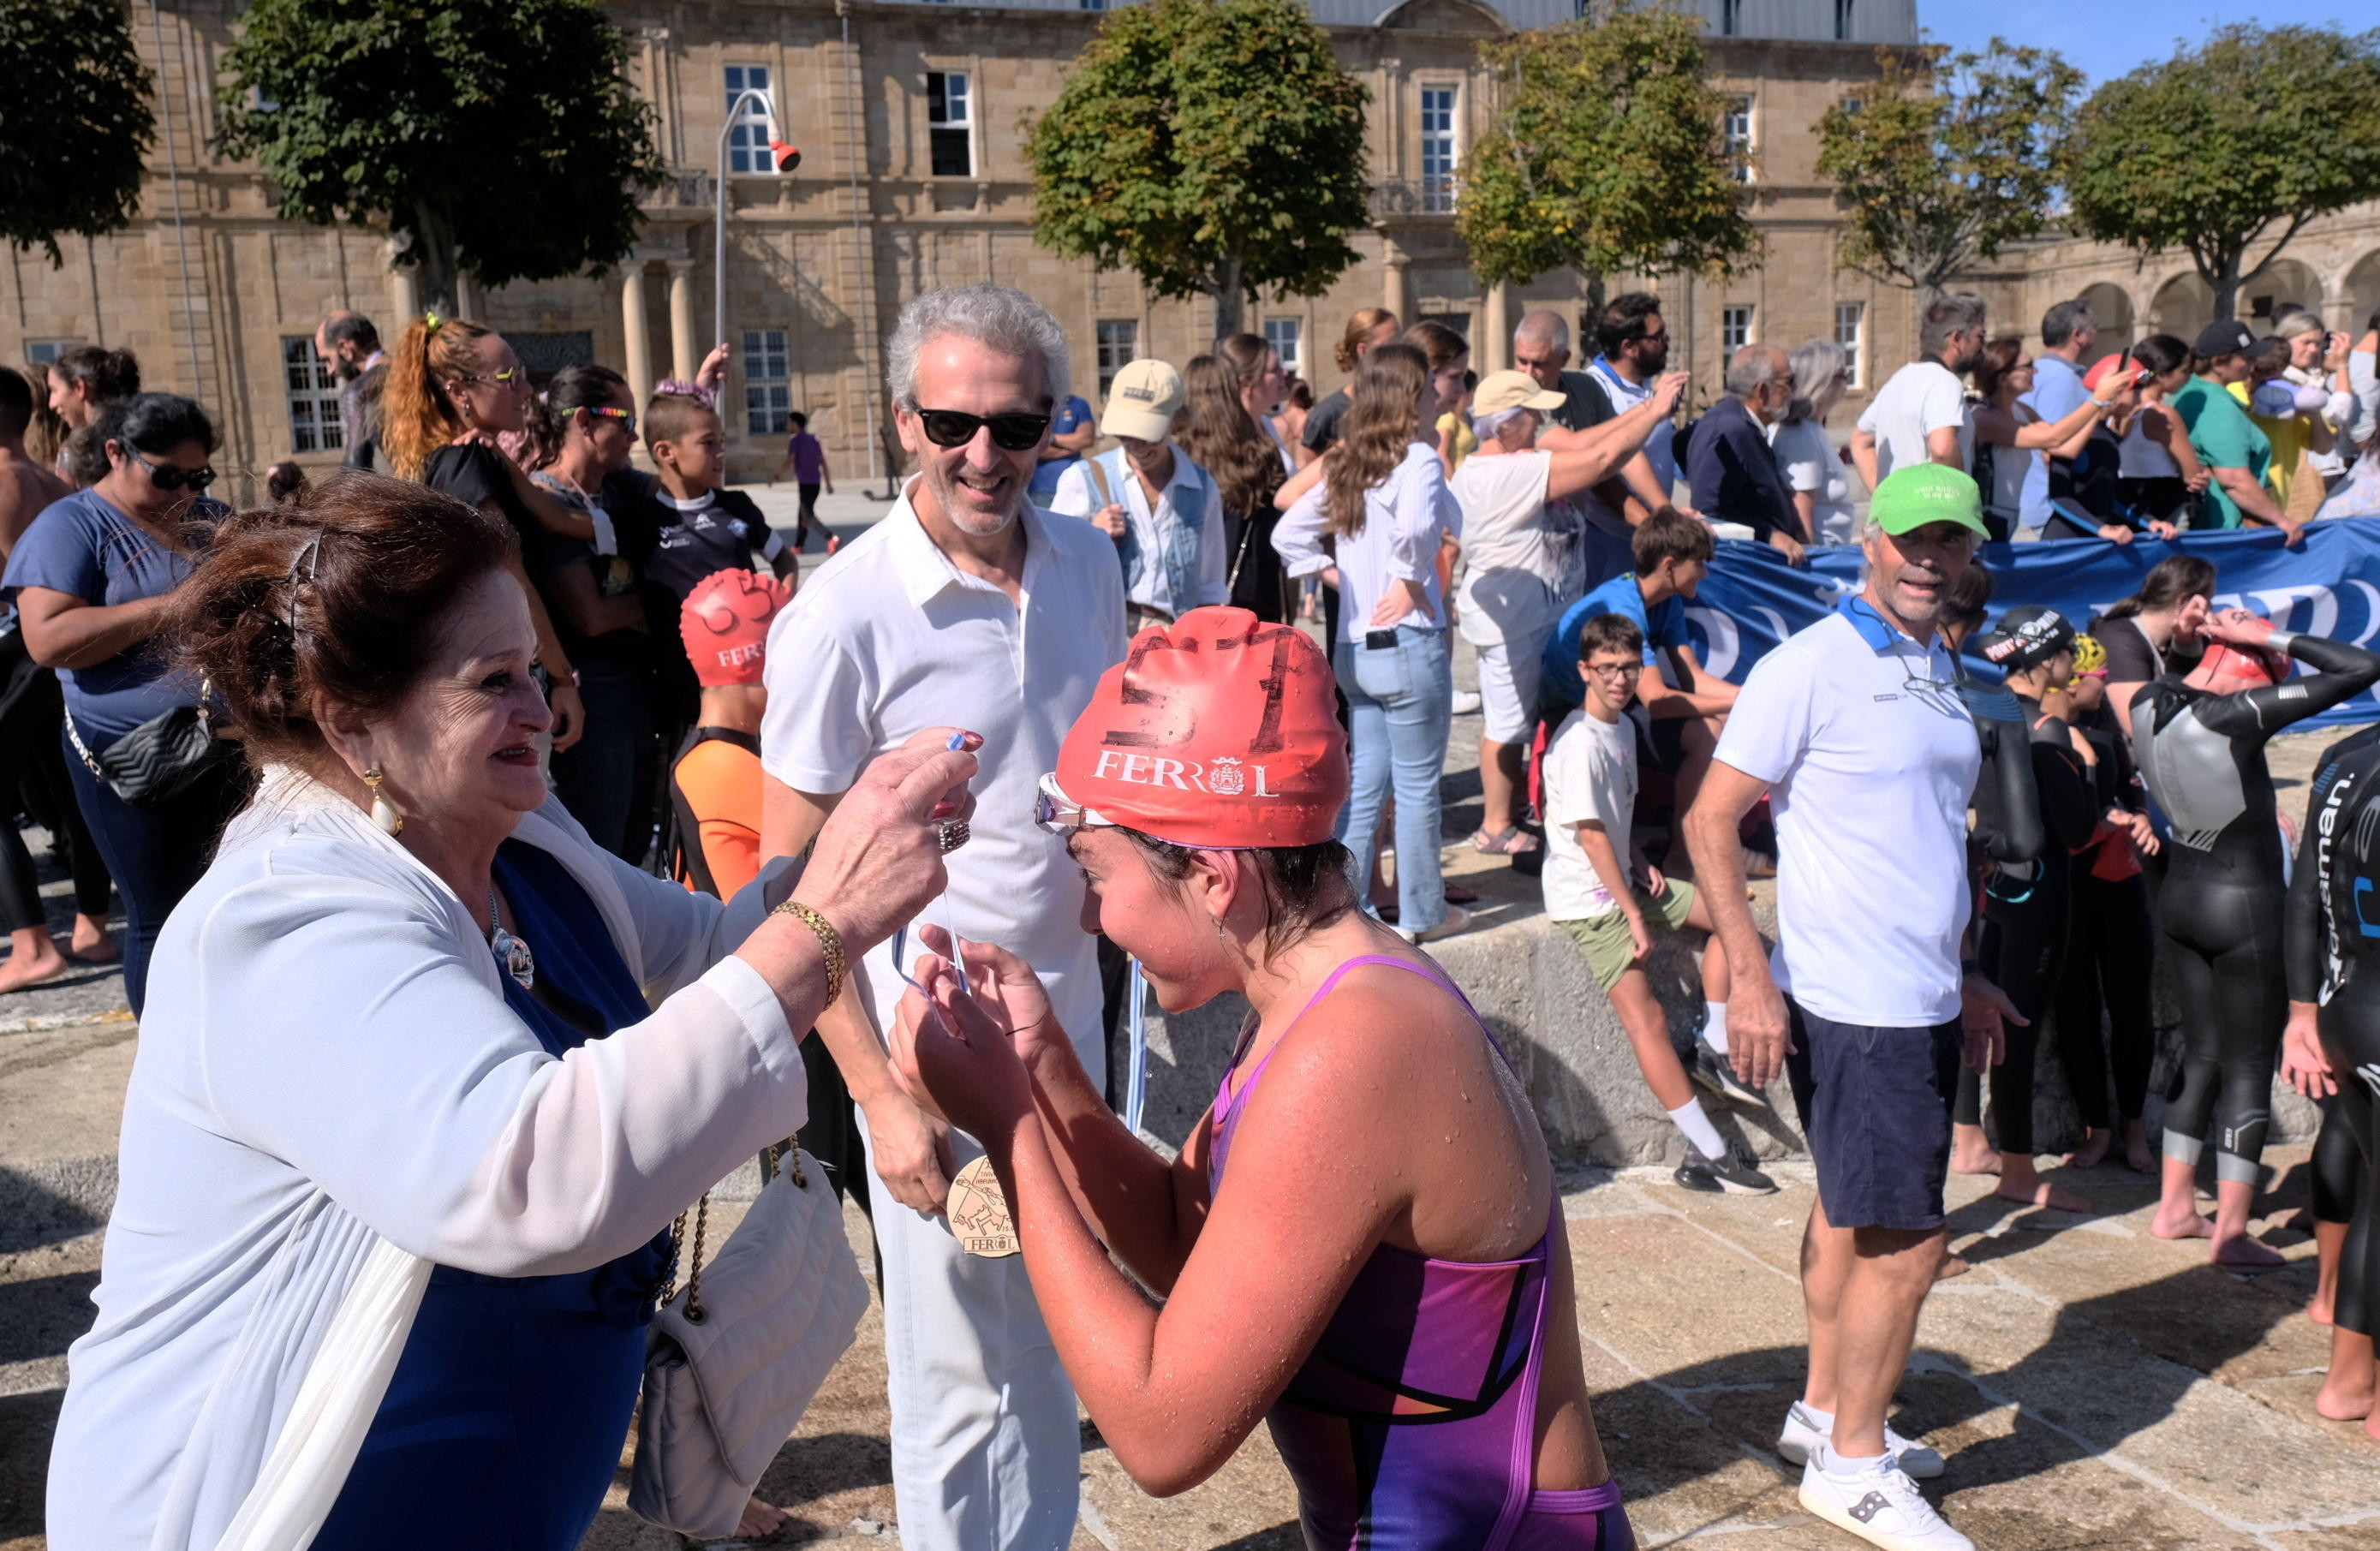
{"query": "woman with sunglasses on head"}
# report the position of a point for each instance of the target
(91, 580)
(453, 387)
(1400, 1311)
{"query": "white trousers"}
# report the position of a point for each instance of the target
(986, 1453)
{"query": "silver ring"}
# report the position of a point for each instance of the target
(951, 836)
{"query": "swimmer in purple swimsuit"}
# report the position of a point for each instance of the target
(1362, 1243)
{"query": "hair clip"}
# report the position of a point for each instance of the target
(431, 322)
(310, 555)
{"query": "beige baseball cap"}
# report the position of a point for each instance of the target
(1499, 391)
(1142, 401)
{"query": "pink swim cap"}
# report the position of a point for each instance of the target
(726, 623)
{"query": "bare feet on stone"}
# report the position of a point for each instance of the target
(90, 943)
(2035, 1191)
(22, 969)
(2138, 1156)
(2188, 1226)
(1953, 1265)
(2093, 1151)
(2344, 1399)
(1969, 1154)
(761, 1519)
(2241, 1251)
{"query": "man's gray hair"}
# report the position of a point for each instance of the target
(1959, 313)
(2064, 320)
(1542, 327)
(1485, 427)
(1815, 367)
(994, 317)
(1753, 367)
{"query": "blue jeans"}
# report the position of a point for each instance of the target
(1400, 704)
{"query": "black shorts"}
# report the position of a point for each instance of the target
(1875, 1107)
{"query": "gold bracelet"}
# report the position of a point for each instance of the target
(830, 943)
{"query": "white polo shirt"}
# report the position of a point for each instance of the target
(1190, 494)
(1870, 767)
(1917, 401)
(889, 638)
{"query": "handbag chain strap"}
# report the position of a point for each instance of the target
(785, 1155)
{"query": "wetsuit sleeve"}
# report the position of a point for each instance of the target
(2007, 806)
(2342, 671)
(2302, 933)
(2068, 799)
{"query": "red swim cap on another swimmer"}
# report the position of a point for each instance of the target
(1216, 731)
(726, 623)
(2244, 663)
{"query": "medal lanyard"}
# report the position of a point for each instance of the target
(1136, 1079)
(901, 933)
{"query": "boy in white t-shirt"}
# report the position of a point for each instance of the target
(1590, 788)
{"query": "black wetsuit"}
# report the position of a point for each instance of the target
(2333, 948)
(2219, 907)
(2110, 947)
(2022, 946)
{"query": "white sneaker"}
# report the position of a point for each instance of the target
(1466, 702)
(1880, 1505)
(1456, 919)
(1803, 1436)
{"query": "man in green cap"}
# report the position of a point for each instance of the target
(1855, 730)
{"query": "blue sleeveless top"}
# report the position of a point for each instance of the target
(503, 1424)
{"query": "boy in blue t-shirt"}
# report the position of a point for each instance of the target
(1072, 431)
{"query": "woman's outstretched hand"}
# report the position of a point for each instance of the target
(878, 859)
(954, 1052)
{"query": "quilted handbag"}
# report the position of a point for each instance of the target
(159, 757)
(736, 1358)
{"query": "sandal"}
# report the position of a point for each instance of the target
(1513, 842)
(1457, 894)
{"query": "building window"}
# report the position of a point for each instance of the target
(42, 352)
(1851, 333)
(1730, 18)
(950, 114)
(747, 143)
(1093, 5)
(768, 382)
(1842, 20)
(1852, 106)
(1438, 149)
(1119, 343)
(1287, 337)
(1738, 137)
(1734, 328)
(314, 423)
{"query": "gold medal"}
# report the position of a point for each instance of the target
(979, 1214)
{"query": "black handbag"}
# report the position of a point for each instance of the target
(157, 759)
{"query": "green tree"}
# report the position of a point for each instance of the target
(1214, 146)
(76, 119)
(1945, 160)
(2237, 144)
(1609, 152)
(500, 137)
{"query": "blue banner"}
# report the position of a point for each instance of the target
(1752, 600)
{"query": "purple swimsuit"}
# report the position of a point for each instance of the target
(1411, 1427)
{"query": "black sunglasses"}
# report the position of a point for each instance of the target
(173, 477)
(1011, 434)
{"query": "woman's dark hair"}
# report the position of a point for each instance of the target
(1305, 887)
(342, 592)
(1300, 393)
(2168, 582)
(154, 423)
(1968, 596)
(285, 481)
(574, 388)
(2160, 353)
(1998, 358)
(110, 375)
(1441, 344)
(1223, 439)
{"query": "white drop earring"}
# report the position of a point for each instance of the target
(383, 812)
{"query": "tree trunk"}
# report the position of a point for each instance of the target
(436, 276)
(1230, 297)
(2225, 283)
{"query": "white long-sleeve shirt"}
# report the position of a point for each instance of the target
(1403, 515)
(328, 1063)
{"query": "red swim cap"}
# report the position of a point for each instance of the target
(726, 623)
(2244, 663)
(1217, 731)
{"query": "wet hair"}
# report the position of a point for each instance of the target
(110, 375)
(416, 418)
(2160, 353)
(1668, 534)
(2168, 582)
(1305, 887)
(1222, 438)
(1375, 431)
(676, 417)
(1359, 328)
(1998, 358)
(1611, 632)
(340, 593)
(1968, 596)
(1627, 318)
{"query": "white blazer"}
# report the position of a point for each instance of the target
(329, 1091)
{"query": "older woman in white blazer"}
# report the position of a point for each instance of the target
(413, 1014)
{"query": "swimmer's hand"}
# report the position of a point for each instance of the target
(2304, 1063)
(1985, 1011)
(951, 1050)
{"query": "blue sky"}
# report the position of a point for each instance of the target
(2107, 38)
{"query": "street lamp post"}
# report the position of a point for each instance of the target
(719, 204)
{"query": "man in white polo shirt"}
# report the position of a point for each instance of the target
(1920, 415)
(1163, 510)
(1856, 730)
(964, 607)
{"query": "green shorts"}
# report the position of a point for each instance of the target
(1610, 948)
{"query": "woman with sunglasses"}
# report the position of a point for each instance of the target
(1374, 1261)
(454, 386)
(91, 580)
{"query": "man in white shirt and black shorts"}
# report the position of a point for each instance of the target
(1856, 730)
(967, 607)
(1920, 415)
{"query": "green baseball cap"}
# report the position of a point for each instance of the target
(1918, 493)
